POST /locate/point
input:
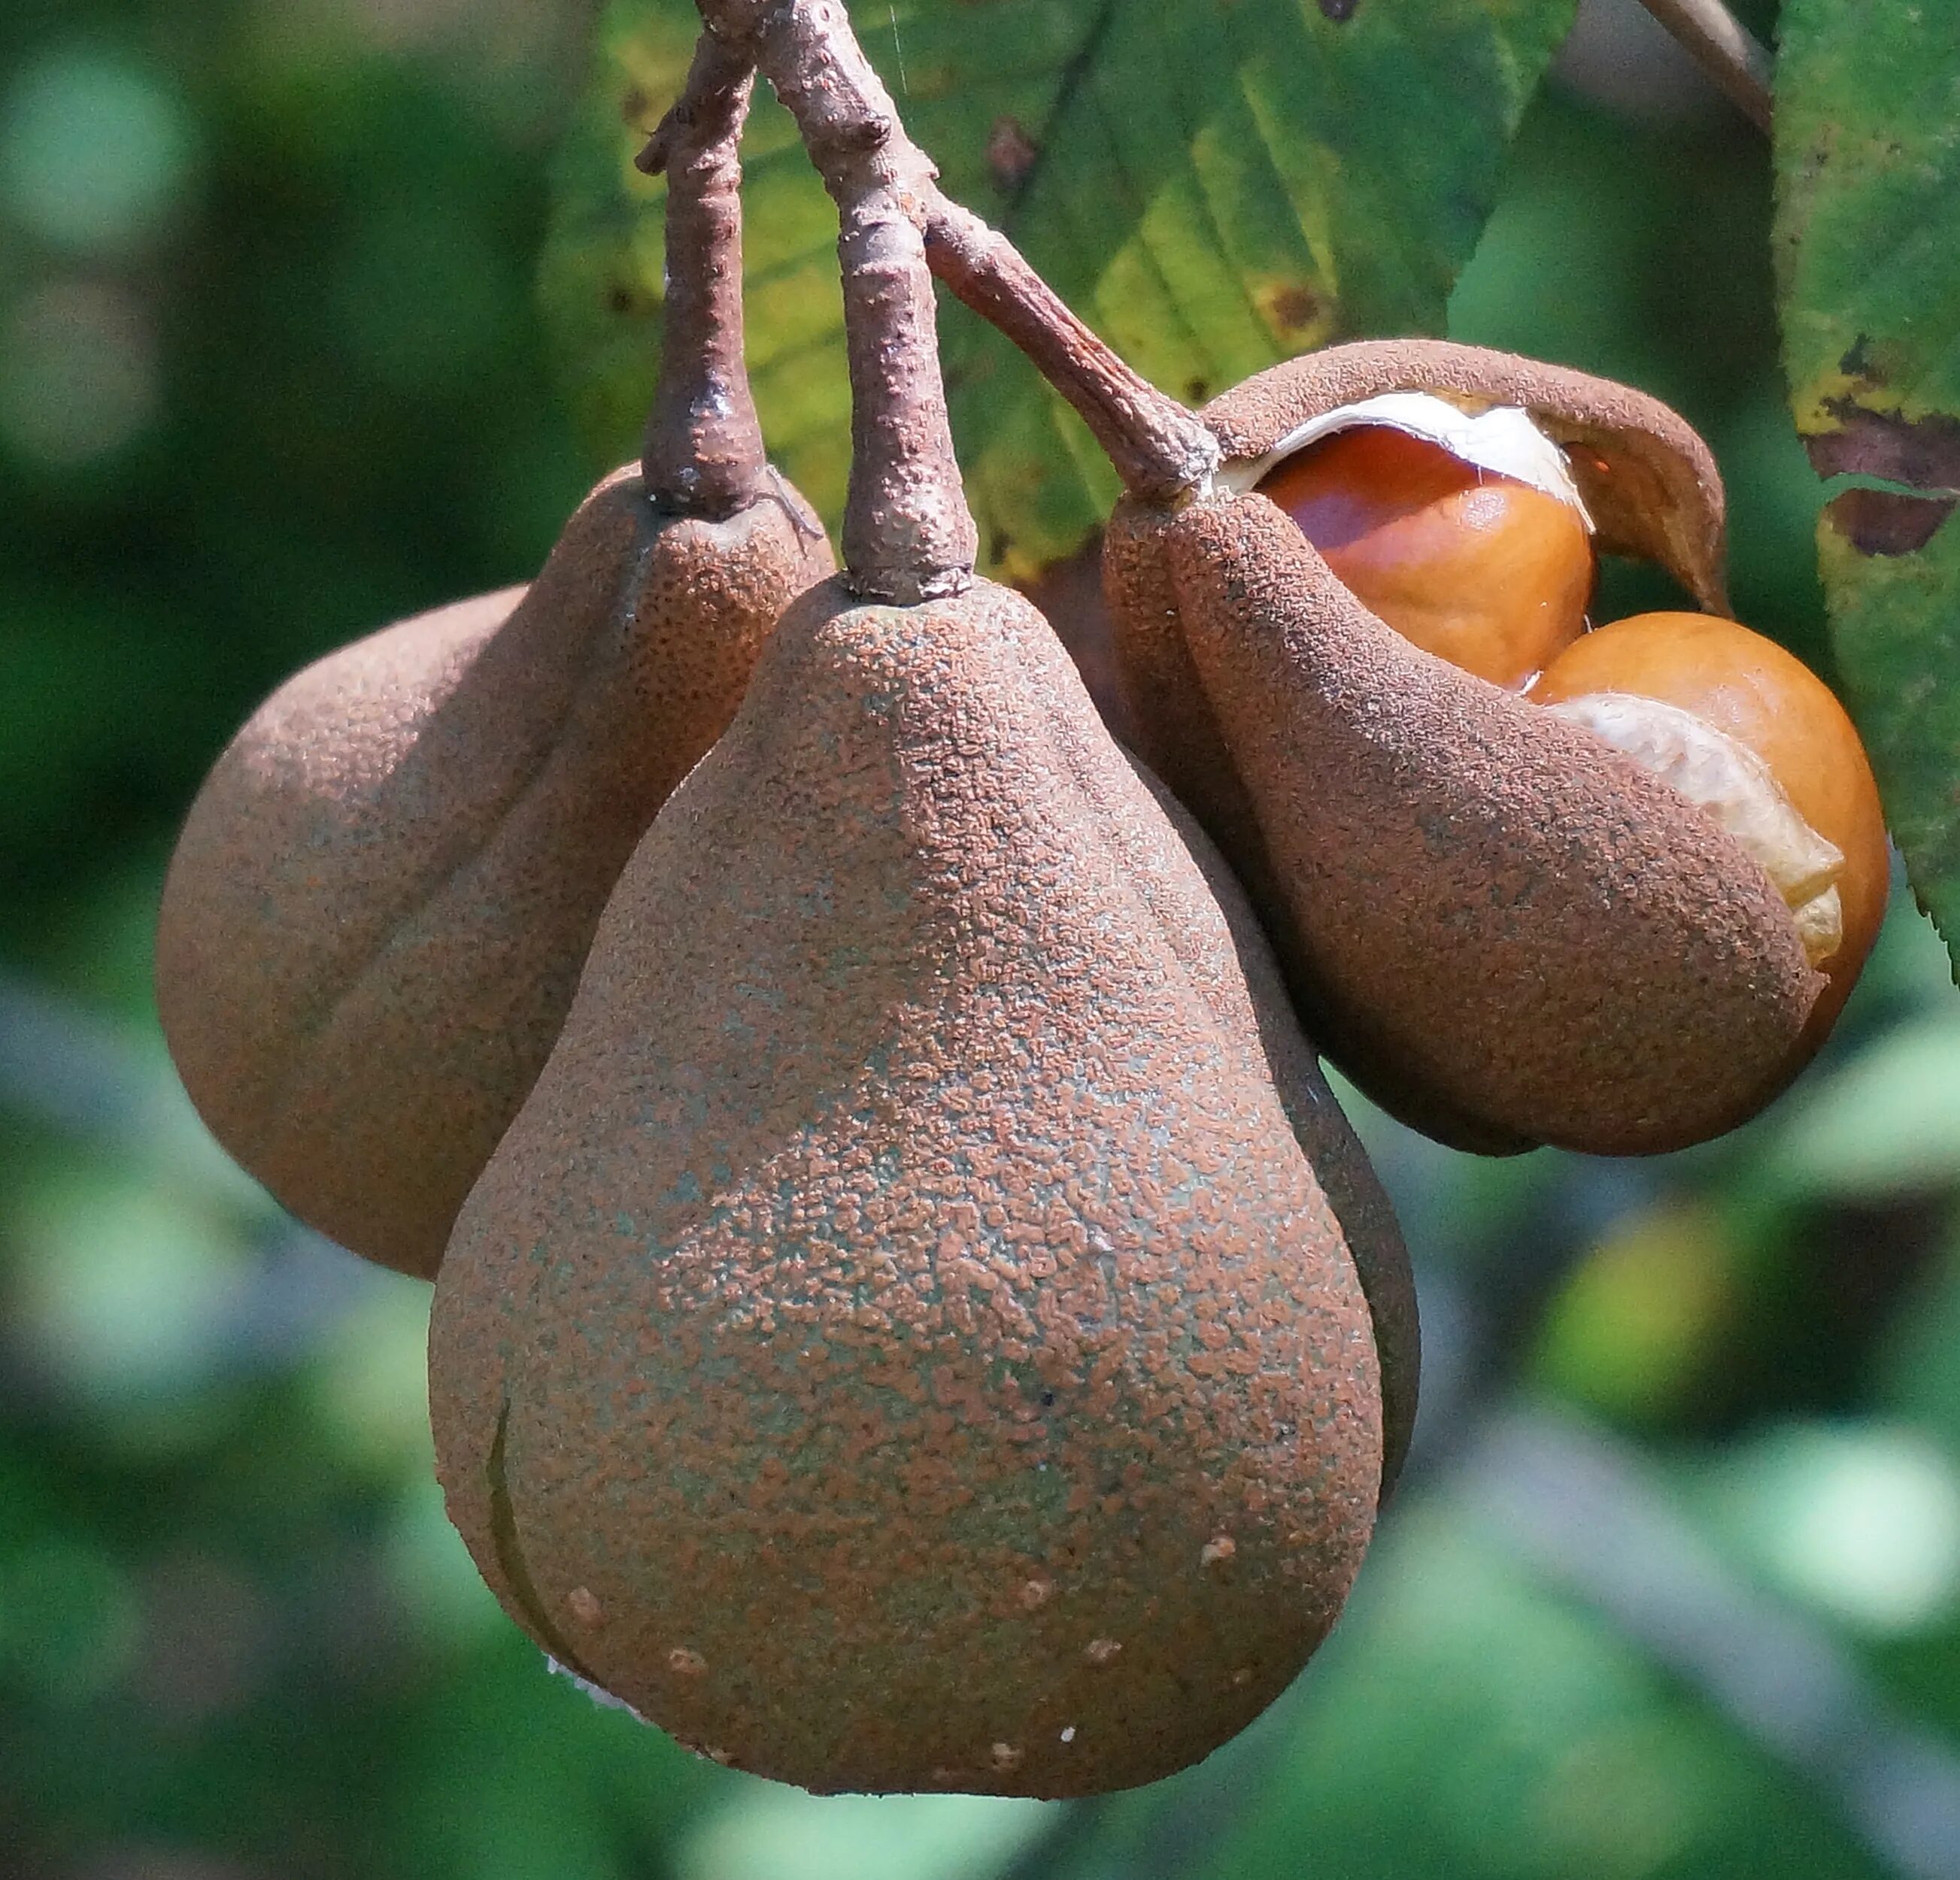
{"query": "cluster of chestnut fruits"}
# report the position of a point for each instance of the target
(909, 1312)
(682, 958)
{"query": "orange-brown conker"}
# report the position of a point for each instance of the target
(1754, 690)
(1482, 569)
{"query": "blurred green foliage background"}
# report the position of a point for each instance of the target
(1673, 1587)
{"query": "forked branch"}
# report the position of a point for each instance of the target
(1160, 449)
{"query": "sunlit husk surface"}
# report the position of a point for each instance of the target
(913, 1336)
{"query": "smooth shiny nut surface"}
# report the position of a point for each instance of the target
(1480, 569)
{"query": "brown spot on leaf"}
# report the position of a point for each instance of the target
(1884, 522)
(1011, 153)
(1339, 11)
(1857, 364)
(633, 107)
(1923, 452)
(1292, 307)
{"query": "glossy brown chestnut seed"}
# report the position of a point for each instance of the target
(1482, 569)
(1645, 478)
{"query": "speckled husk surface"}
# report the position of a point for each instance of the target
(901, 1343)
(375, 918)
(1528, 927)
(1178, 730)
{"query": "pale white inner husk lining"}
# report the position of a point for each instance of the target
(1503, 439)
(1730, 782)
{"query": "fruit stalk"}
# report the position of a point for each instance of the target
(1160, 450)
(703, 453)
(908, 533)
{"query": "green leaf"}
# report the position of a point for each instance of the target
(1895, 623)
(1887, 1124)
(1867, 168)
(1214, 187)
(784, 1835)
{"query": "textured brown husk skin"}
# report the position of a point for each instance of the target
(901, 1329)
(1653, 491)
(1539, 932)
(1178, 731)
(376, 914)
(1262, 1009)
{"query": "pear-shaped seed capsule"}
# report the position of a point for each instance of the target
(790, 1321)
(1500, 913)
(376, 916)
(1389, 811)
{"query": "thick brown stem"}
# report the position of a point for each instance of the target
(1159, 449)
(907, 532)
(704, 453)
